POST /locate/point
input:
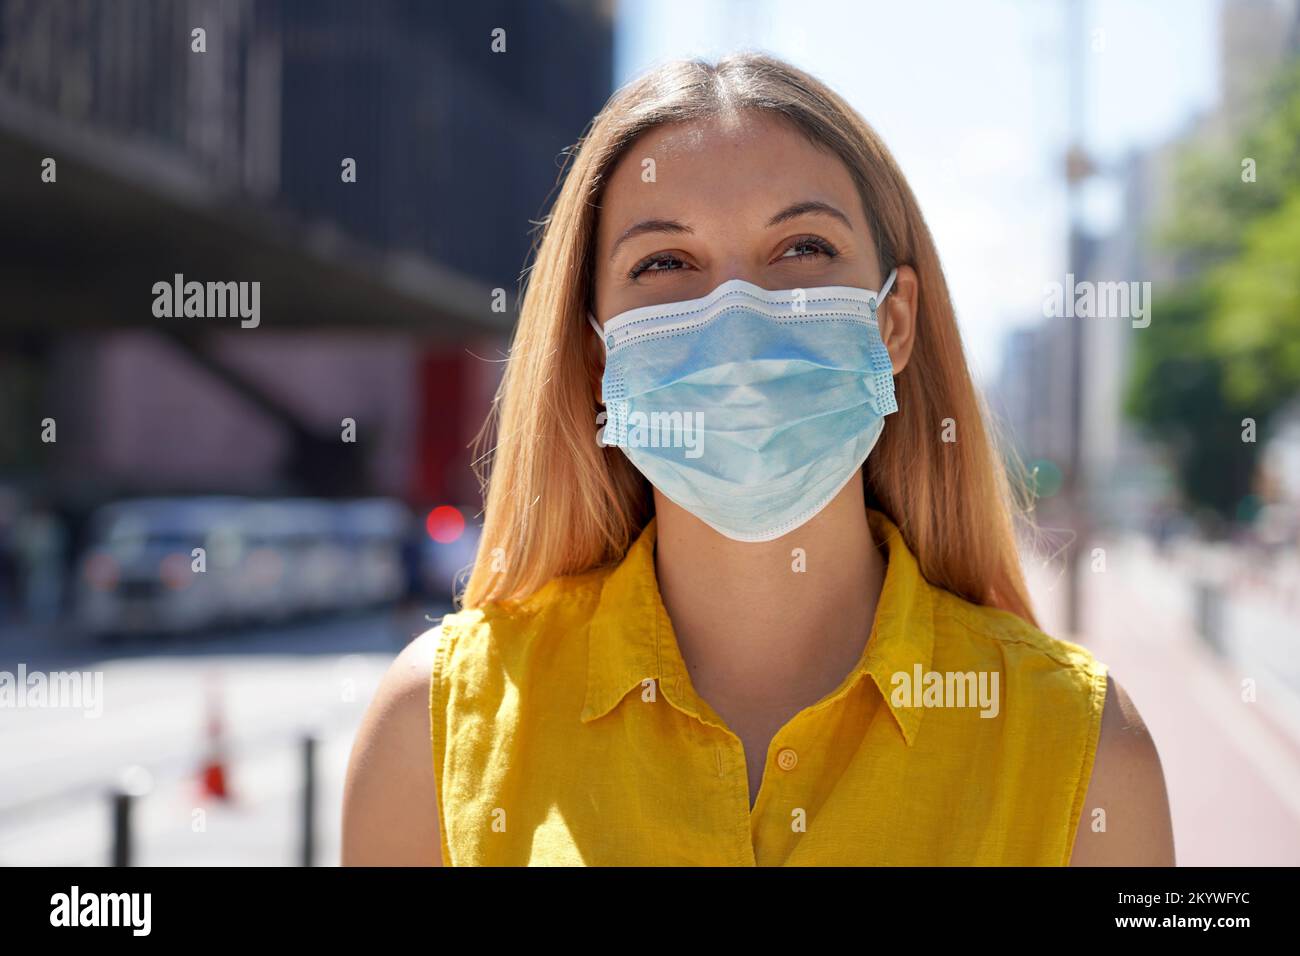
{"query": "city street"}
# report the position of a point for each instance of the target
(56, 765)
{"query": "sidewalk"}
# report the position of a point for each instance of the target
(1232, 767)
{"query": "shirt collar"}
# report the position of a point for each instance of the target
(631, 639)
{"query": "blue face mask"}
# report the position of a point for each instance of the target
(749, 408)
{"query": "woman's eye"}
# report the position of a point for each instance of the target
(655, 264)
(808, 246)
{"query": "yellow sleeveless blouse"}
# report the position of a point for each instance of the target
(565, 731)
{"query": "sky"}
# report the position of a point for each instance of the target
(971, 98)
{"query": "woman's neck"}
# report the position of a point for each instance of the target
(775, 624)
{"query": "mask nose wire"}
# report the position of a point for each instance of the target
(875, 303)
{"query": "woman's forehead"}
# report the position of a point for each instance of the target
(747, 160)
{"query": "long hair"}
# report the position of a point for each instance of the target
(557, 503)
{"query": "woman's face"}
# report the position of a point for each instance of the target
(748, 197)
(692, 205)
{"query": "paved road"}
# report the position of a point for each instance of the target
(55, 765)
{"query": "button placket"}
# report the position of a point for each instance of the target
(735, 784)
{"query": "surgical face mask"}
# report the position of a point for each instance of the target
(749, 408)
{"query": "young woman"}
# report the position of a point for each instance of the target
(747, 591)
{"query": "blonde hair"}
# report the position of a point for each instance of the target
(558, 504)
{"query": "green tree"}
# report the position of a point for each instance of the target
(1177, 391)
(1226, 343)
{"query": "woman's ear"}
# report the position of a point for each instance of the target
(898, 317)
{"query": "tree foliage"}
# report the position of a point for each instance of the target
(1225, 344)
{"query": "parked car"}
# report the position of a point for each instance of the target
(143, 572)
(262, 561)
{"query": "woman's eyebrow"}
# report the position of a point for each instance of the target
(805, 207)
(650, 225)
(673, 226)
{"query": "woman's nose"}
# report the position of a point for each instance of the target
(733, 268)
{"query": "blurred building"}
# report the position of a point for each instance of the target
(1124, 482)
(1026, 397)
(227, 163)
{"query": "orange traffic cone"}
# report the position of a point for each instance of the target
(212, 774)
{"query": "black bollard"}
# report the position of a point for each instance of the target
(308, 800)
(120, 853)
(134, 782)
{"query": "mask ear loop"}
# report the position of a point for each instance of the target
(875, 301)
(600, 333)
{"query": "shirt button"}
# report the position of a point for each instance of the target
(786, 759)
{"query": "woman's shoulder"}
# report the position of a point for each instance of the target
(500, 647)
(964, 629)
(1052, 691)
(1061, 691)
(554, 610)
(390, 782)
